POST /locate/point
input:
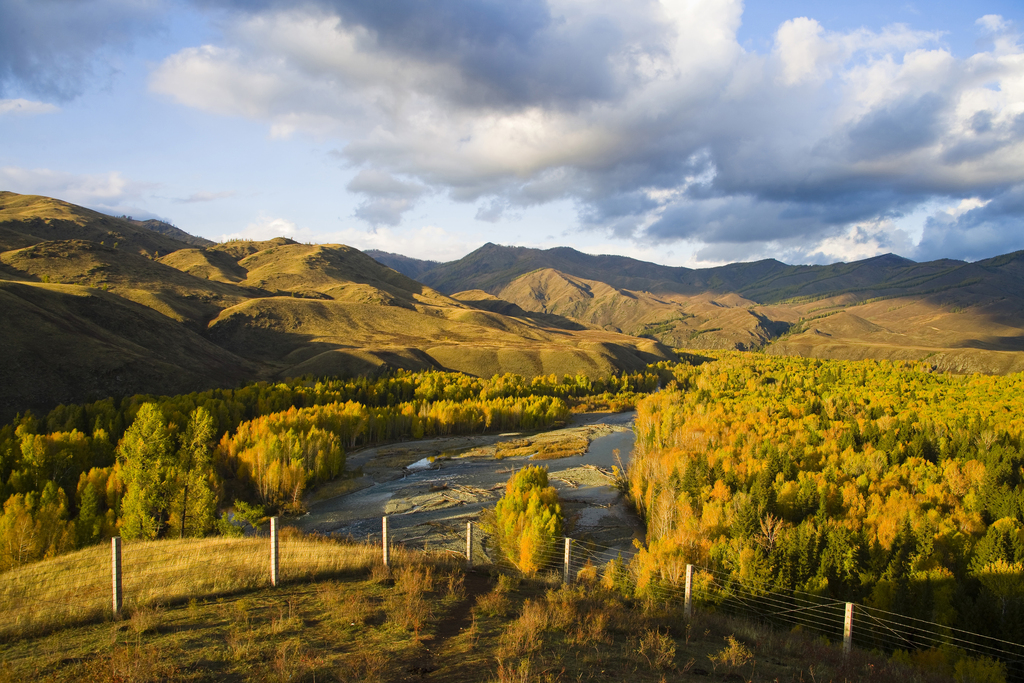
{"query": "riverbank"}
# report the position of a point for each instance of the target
(431, 488)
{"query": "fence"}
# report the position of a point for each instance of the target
(98, 582)
(855, 625)
(696, 588)
(107, 580)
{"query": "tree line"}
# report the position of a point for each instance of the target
(165, 466)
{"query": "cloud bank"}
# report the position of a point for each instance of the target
(649, 116)
(54, 48)
(109, 193)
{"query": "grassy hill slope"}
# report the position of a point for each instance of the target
(960, 316)
(101, 306)
(67, 343)
(29, 219)
(202, 611)
(704, 321)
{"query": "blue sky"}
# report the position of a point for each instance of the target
(688, 133)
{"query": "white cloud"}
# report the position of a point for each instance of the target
(649, 116)
(860, 241)
(805, 53)
(200, 197)
(428, 242)
(26, 107)
(104, 191)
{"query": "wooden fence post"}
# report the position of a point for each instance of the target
(469, 544)
(688, 593)
(387, 548)
(115, 566)
(275, 554)
(848, 630)
(567, 569)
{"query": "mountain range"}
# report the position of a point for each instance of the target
(94, 306)
(955, 315)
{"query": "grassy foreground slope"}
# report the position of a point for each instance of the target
(203, 611)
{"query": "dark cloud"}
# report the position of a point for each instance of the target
(985, 136)
(735, 220)
(976, 233)
(492, 211)
(900, 127)
(506, 53)
(54, 49)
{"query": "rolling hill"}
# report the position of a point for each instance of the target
(95, 305)
(958, 316)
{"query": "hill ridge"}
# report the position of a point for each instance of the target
(127, 309)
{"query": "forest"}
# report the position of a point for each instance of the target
(883, 483)
(147, 467)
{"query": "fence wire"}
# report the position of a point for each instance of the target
(78, 588)
(873, 629)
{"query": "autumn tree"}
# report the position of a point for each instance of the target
(194, 504)
(147, 458)
(528, 519)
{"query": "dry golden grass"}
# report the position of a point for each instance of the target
(413, 621)
(56, 592)
(77, 587)
(714, 321)
(28, 219)
(92, 291)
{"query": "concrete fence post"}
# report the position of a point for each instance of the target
(688, 593)
(275, 553)
(848, 629)
(567, 568)
(115, 567)
(469, 544)
(387, 547)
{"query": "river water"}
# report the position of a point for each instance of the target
(447, 482)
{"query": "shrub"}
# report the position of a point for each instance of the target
(657, 648)
(528, 519)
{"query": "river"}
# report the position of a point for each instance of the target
(430, 488)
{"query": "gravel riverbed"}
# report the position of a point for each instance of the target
(432, 487)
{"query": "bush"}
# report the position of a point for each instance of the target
(528, 519)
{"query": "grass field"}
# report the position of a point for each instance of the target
(203, 611)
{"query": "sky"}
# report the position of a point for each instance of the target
(689, 132)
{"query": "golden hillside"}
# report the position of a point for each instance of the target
(705, 321)
(95, 306)
(29, 219)
(959, 316)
